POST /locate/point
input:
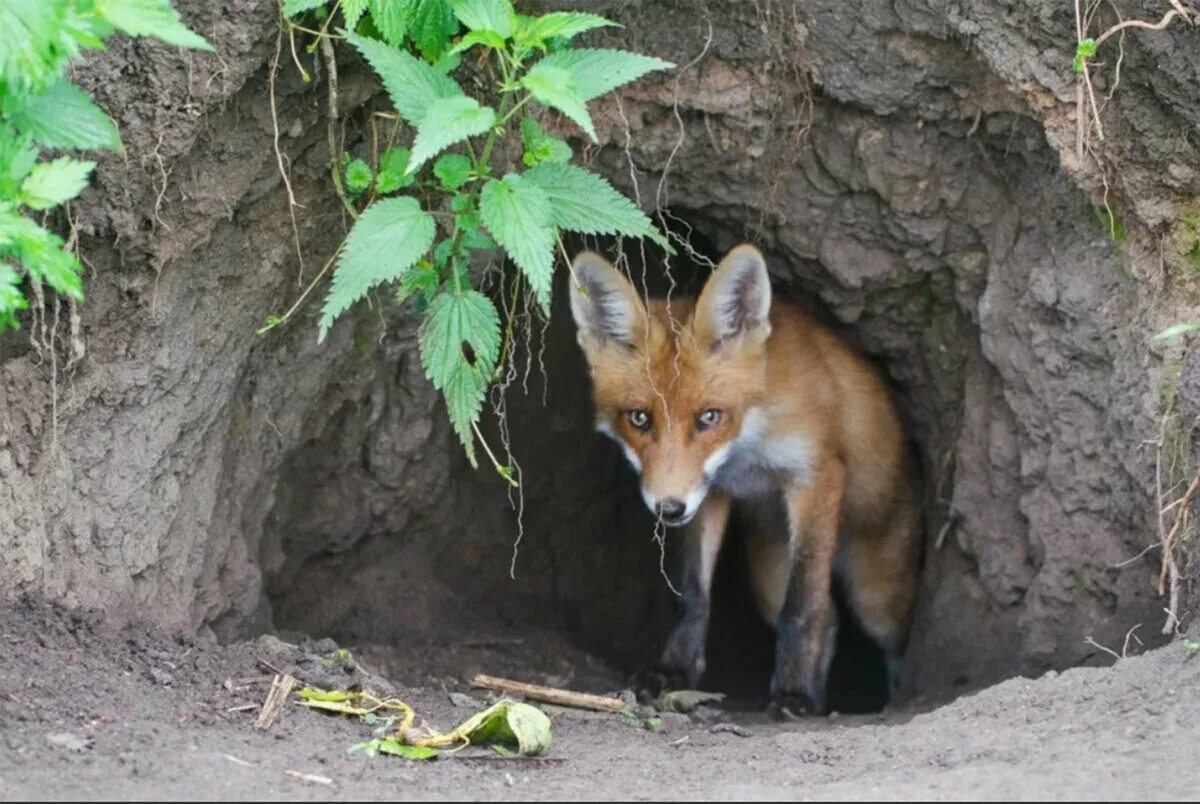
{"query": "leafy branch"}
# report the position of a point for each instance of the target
(41, 109)
(453, 204)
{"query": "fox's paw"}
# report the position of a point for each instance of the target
(651, 683)
(793, 706)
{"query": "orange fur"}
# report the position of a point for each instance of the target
(800, 414)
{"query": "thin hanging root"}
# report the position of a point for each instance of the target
(287, 182)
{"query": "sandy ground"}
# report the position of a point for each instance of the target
(88, 711)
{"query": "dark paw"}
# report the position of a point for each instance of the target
(791, 707)
(651, 683)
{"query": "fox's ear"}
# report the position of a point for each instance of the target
(606, 306)
(735, 305)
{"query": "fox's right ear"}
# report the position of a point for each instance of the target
(605, 304)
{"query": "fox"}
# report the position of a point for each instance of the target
(732, 396)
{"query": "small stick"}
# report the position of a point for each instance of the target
(281, 688)
(309, 777)
(554, 695)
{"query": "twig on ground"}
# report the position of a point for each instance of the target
(281, 688)
(554, 695)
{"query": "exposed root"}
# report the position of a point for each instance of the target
(335, 150)
(287, 182)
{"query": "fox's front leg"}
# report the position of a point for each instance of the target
(682, 660)
(807, 626)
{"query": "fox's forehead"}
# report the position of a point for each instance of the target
(668, 368)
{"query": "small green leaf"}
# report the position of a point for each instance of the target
(541, 147)
(448, 120)
(452, 170)
(353, 10)
(485, 15)
(388, 745)
(41, 253)
(393, 171)
(431, 24)
(559, 24)
(293, 7)
(65, 117)
(597, 71)
(581, 201)
(518, 214)
(11, 298)
(17, 158)
(423, 278)
(558, 88)
(151, 18)
(391, 19)
(486, 38)
(1084, 50)
(318, 694)
(413, 85)
(389, 237)
(358, 176)
(52, 183)
(1175, 331)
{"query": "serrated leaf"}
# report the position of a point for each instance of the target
(293, 7)
(558, 88)
(413, 85)
(460, 343)
(151, 18)
(448, 120)
(485, 15)
(486, 38)
(431, 24)
(393, 175)
(353, 10)
(581, 201)
(560, 24)
(386, 239)
(597, 71)
(65, 117)
(358, 175)
(40, 253)
(452, 170)
(11, 298)
(17, 158)
(538, 146)
(423, 278)
(518, 214)
(52, 183)
(391, 18)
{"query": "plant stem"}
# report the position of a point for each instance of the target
(311, 285)
(335, 162)
(500, 470)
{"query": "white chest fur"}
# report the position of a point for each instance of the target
(758, 461)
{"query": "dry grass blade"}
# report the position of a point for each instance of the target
(281, 688)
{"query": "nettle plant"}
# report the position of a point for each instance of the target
(431, 207)
(41, 109)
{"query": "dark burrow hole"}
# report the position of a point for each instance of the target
(432, 598)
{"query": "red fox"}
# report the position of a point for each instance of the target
(733, 397)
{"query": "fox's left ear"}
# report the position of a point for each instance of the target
(735, 305)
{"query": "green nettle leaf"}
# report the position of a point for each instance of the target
(293, 7)
(518, 212)
(358, 175)
(448, 120)
(11, 299)
(485, 15)
(151, 18)
(460, 344)
(541, 147)
(353, 10)
(560, 24)
(17, 158)
(40, 253)
(431, 24)
(487, 38)
(52, 183)
(452, 170)
(413, 85)
(559, 88)
(422, 277)
(472, 236)
(580, 201)
(600, 71)
(33, 47)
(65, 117)
(389, 237)
(391, 18)
(393, 171)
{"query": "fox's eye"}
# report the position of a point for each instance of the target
(640, 419)
(708, 419)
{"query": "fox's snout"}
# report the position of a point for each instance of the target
(674, 511)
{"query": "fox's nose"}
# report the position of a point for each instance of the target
(671, 511)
